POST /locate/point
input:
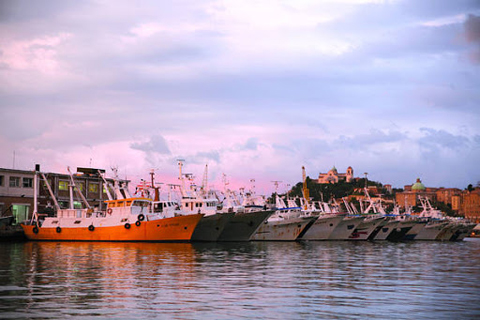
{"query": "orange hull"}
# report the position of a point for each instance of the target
(170, 229)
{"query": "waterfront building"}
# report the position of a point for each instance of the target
(470, 205)
(333, 176)
(16, 191)
(445, 195)
(457, 203)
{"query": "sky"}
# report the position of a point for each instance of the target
(254, 89)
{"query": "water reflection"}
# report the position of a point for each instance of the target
(338, 280)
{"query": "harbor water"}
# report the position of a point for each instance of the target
(251, 280)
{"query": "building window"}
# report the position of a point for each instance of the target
(81, 186)
(93, 187)
(62, 185)
(15, 182)
(27, 182)
(1, 181)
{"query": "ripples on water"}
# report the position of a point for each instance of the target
(268, 280)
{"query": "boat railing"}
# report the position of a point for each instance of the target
(72, 213)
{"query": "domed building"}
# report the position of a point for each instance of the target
(333, 176)
(418, 186)
(410, 196)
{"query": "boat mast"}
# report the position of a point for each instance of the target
(35, 193)
(50, 191)
(157, 192)
(79, 192)
(116, 185)
(205, 179)
(306, 192)
(106, 185)
(181, 178)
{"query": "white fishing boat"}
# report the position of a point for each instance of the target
(281, 228)
(372, 218)
(431, 230)
(286, 224)
(323, 226)
(346, 227)
(435, 219)
(385, 228)
(415, 230)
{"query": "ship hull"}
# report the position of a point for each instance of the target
(447, 232)
(413, 232)
(398, 233)
(366, 228)
(210, 227)
(243, 225)
(282, 230)
(323, 227)
(461, 233)
(431, 231)
(385, 230)
(345, 228)
(162, 230)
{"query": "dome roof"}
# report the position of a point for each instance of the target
(418, 186)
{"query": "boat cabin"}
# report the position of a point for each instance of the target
(127, 206)
(199, 205)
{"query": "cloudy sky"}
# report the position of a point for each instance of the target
(255, 89)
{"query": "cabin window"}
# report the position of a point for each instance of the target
(27, 182)
(186, 205)
(63, 185)
(77, 222)
(139, 203)
(14, 182)
(54, 222)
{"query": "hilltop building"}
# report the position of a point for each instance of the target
(333, 176)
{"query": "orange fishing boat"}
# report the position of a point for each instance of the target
(128, 219)
(121, 222)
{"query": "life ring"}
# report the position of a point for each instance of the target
(109, 210)
(58, 229)
(127, 225)
(141, 217)
(35, 229)
(138, 223)
(91, 227)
